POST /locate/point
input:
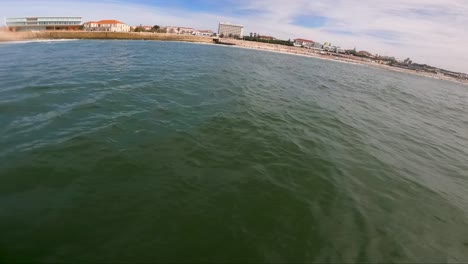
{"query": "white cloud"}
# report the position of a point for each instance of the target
(432, 32)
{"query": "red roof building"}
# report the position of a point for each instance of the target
(107, 25)
(110, 22)
(303, 43)
(304, 40)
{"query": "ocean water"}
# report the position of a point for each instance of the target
(138, 151)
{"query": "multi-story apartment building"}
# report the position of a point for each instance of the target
(43, 23)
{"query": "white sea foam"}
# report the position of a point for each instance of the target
(37, 40)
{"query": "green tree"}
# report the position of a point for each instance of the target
(139, 29)
(155, 28)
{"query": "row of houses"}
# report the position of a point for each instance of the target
(117, 26)
(75, 23)
(310, 44)
(188, 31)
(224, 29)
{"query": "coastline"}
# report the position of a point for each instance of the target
(298, 51)
(76, 35)
(42, 35)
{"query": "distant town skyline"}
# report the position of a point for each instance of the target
(432, 32)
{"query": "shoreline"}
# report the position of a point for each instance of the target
(308, 53)
(54, 35)
(6, 37)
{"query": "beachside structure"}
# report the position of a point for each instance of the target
(340, 50)
(203, 33)
(269, 38)
(106, 26)
(303, 43)
(230, 30)
(318, 46)
(180, 30)
(43, 23)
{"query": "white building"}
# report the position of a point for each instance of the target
(180, 30)
(106, 26)
(303, 43)
(340, 50)
(230, 30)
(330, 48)
(203, 33)
(43, 23)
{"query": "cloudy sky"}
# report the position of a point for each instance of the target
(428, 31)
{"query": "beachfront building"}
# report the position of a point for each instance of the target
(340, 50)
(180, 30)
(43, 23)
(230, 30)
(106, 26)
(203, 33)
(303, 43)
(330, 48)
(185, 30)
(269, 38)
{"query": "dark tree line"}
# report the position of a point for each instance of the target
(155, 29)
(258, 38)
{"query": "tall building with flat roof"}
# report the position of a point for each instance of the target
(230, 30)
(43, 23)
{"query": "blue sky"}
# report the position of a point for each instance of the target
(432, 32)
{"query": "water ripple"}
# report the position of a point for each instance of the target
(149, 149)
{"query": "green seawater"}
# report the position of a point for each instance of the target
(137, 151)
